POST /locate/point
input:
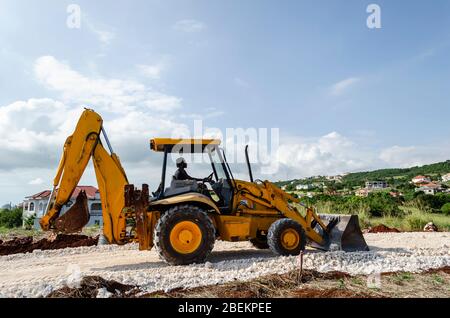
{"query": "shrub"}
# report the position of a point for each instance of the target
(445, 209)
(382, 204)
(11, 218)
(433, 203)
(29, 221)
(416, 222)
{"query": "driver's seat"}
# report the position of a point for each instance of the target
(181, 186)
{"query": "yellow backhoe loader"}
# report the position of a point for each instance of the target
(184, 219)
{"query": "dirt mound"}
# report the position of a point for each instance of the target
(26, 244)
(265, 287)
(382, 229)
(90, 287)
(328, 293)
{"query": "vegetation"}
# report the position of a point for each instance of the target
(11, 218)
(400, 205)
(398, 175)
(446, 209)
(395, 177)
(377, 204)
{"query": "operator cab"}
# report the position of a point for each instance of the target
(217, 185)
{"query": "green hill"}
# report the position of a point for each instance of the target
(434, 170)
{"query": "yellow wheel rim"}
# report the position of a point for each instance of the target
(185, 237)
(290, 239)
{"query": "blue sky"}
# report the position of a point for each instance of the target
(345, 97)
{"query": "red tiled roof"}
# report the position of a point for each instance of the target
(41, 195)
(419, 177)
(431, 185)
(90, 192)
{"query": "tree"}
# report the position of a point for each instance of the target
(11, 218)
(446, 209)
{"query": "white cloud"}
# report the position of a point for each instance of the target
(329, 154)
(341, 87)
(37, 181)
(240, 82)
(104, 36)
(117, 95)
(189, 26)
(151, 71)
(403, 157)
(210, 112)
(32, 132)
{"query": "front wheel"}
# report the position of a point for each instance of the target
(286, 237)
(184, 235)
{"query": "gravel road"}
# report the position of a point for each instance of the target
(37, 274)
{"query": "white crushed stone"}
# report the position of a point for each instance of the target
(39, 273)
(103, 293)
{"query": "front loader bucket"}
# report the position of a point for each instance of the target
(344, 233)
(76, 217)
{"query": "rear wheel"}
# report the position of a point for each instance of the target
(184, 235)
(286, 237)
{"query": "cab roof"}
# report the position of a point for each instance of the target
(182, 145)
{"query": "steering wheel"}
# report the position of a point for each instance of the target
(209, 179)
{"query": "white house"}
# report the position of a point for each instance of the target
(303, 187)
(446, 177)
(37, 203)
(376, 185)
(337, 178)
(431, 188)
(420, 180)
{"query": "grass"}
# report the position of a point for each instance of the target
(434, 283)
(414, 220)
(6, 233)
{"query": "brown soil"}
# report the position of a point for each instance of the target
(265, 287)
(26, 244)
(382, 229)
(328, 293)
(311, 284)
(89, 287)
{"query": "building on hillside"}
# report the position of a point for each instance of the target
(376, 185)
(446, 177)
(395, 194)
(37, 203)
(362, 192)
(337, 178)
(430, 188)
(419, 180)
(303, 187)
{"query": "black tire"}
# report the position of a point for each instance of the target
(274, 237)
(260, 242)
(167, 222)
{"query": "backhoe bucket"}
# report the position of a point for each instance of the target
(76, 217)
(344, 233)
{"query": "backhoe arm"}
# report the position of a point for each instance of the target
(83, 144)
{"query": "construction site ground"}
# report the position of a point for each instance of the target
(398, 265)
